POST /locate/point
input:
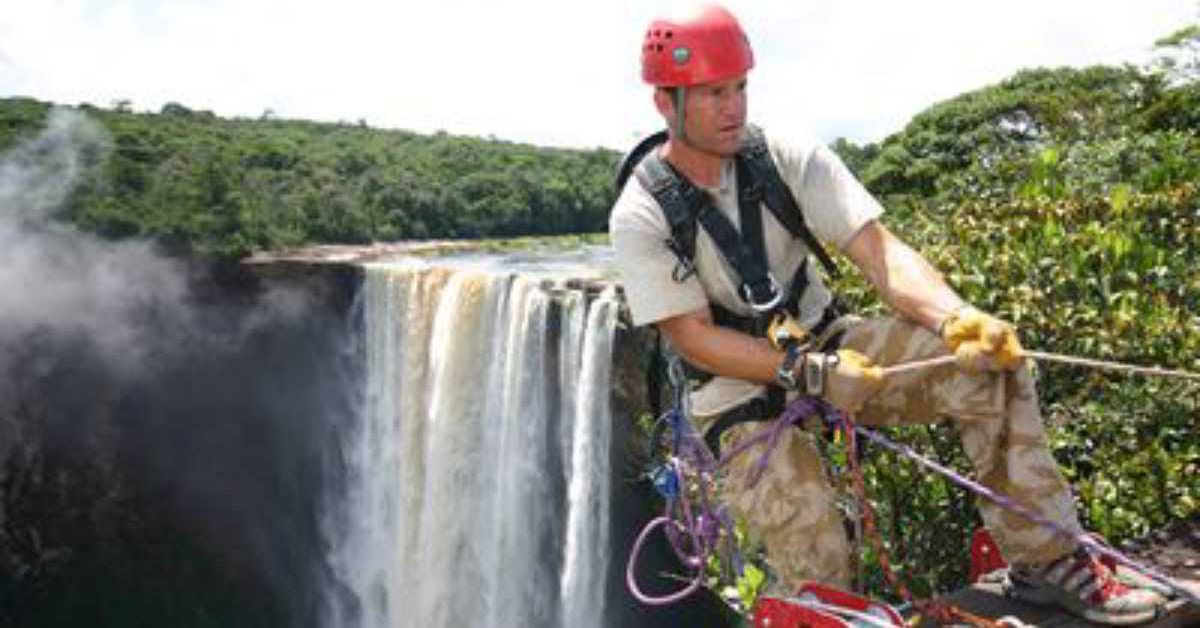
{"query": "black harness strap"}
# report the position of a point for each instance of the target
(681, 203)
(756, 410)
(635, 156)
(779, 197)
(684, 205)
(761, 409)
(757, 325)
(757, 284)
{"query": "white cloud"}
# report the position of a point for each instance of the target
(543, 71)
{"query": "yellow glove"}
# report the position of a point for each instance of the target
(845, 380)
(981, 341)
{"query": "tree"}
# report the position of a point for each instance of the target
(175, 109)
(1179, 55)
(855, 157)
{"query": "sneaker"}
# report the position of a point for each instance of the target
(1083, 585)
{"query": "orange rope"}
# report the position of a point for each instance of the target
(938, 610)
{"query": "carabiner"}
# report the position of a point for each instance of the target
(682, 387)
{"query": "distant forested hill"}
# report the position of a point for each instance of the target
(232, 186)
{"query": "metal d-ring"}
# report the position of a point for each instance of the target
(768, 306)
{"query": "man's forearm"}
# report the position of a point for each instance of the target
(722, 351)
(903, 279)
(915, 289)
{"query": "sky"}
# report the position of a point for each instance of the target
(548, 72)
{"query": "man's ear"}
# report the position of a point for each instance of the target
(665, 103)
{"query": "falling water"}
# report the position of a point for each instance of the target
(479, 473)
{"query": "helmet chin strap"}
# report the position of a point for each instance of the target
(679, 94)
(677, 127)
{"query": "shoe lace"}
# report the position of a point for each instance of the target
(1107, 585)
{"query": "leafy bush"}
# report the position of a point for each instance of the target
(1083, 229)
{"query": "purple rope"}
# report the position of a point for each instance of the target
(794, 413)
(703, 528)
(631, 581)
(1020, 509)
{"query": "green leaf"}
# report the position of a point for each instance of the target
(1120, 199)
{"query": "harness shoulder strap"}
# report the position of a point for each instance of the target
(778, 195)
(635, 156)
(681, 204)
(685, 205)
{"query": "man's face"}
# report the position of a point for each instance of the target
(715, 114)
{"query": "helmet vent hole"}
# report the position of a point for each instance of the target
(658, 48)
(668, 34)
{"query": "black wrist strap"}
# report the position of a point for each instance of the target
(786, 375)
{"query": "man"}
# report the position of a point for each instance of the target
(712, 290)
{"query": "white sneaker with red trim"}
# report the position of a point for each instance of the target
(1083, 585)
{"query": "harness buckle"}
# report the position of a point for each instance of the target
(784, 331)
(684, 266)
(762, 308)
(754, 192)
(683, 270)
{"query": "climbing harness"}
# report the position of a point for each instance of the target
(760, 188)
(687, 207)
(696, 532)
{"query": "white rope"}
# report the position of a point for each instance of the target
(917, 365)
(1153, 371)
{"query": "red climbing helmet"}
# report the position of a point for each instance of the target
(706, 47)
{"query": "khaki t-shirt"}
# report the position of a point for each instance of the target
(835, 206)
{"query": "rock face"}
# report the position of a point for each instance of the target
(1174, 550)
(182, 489)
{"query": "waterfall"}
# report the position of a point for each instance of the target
(477, 488)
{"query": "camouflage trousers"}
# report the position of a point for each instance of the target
(792, 510)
